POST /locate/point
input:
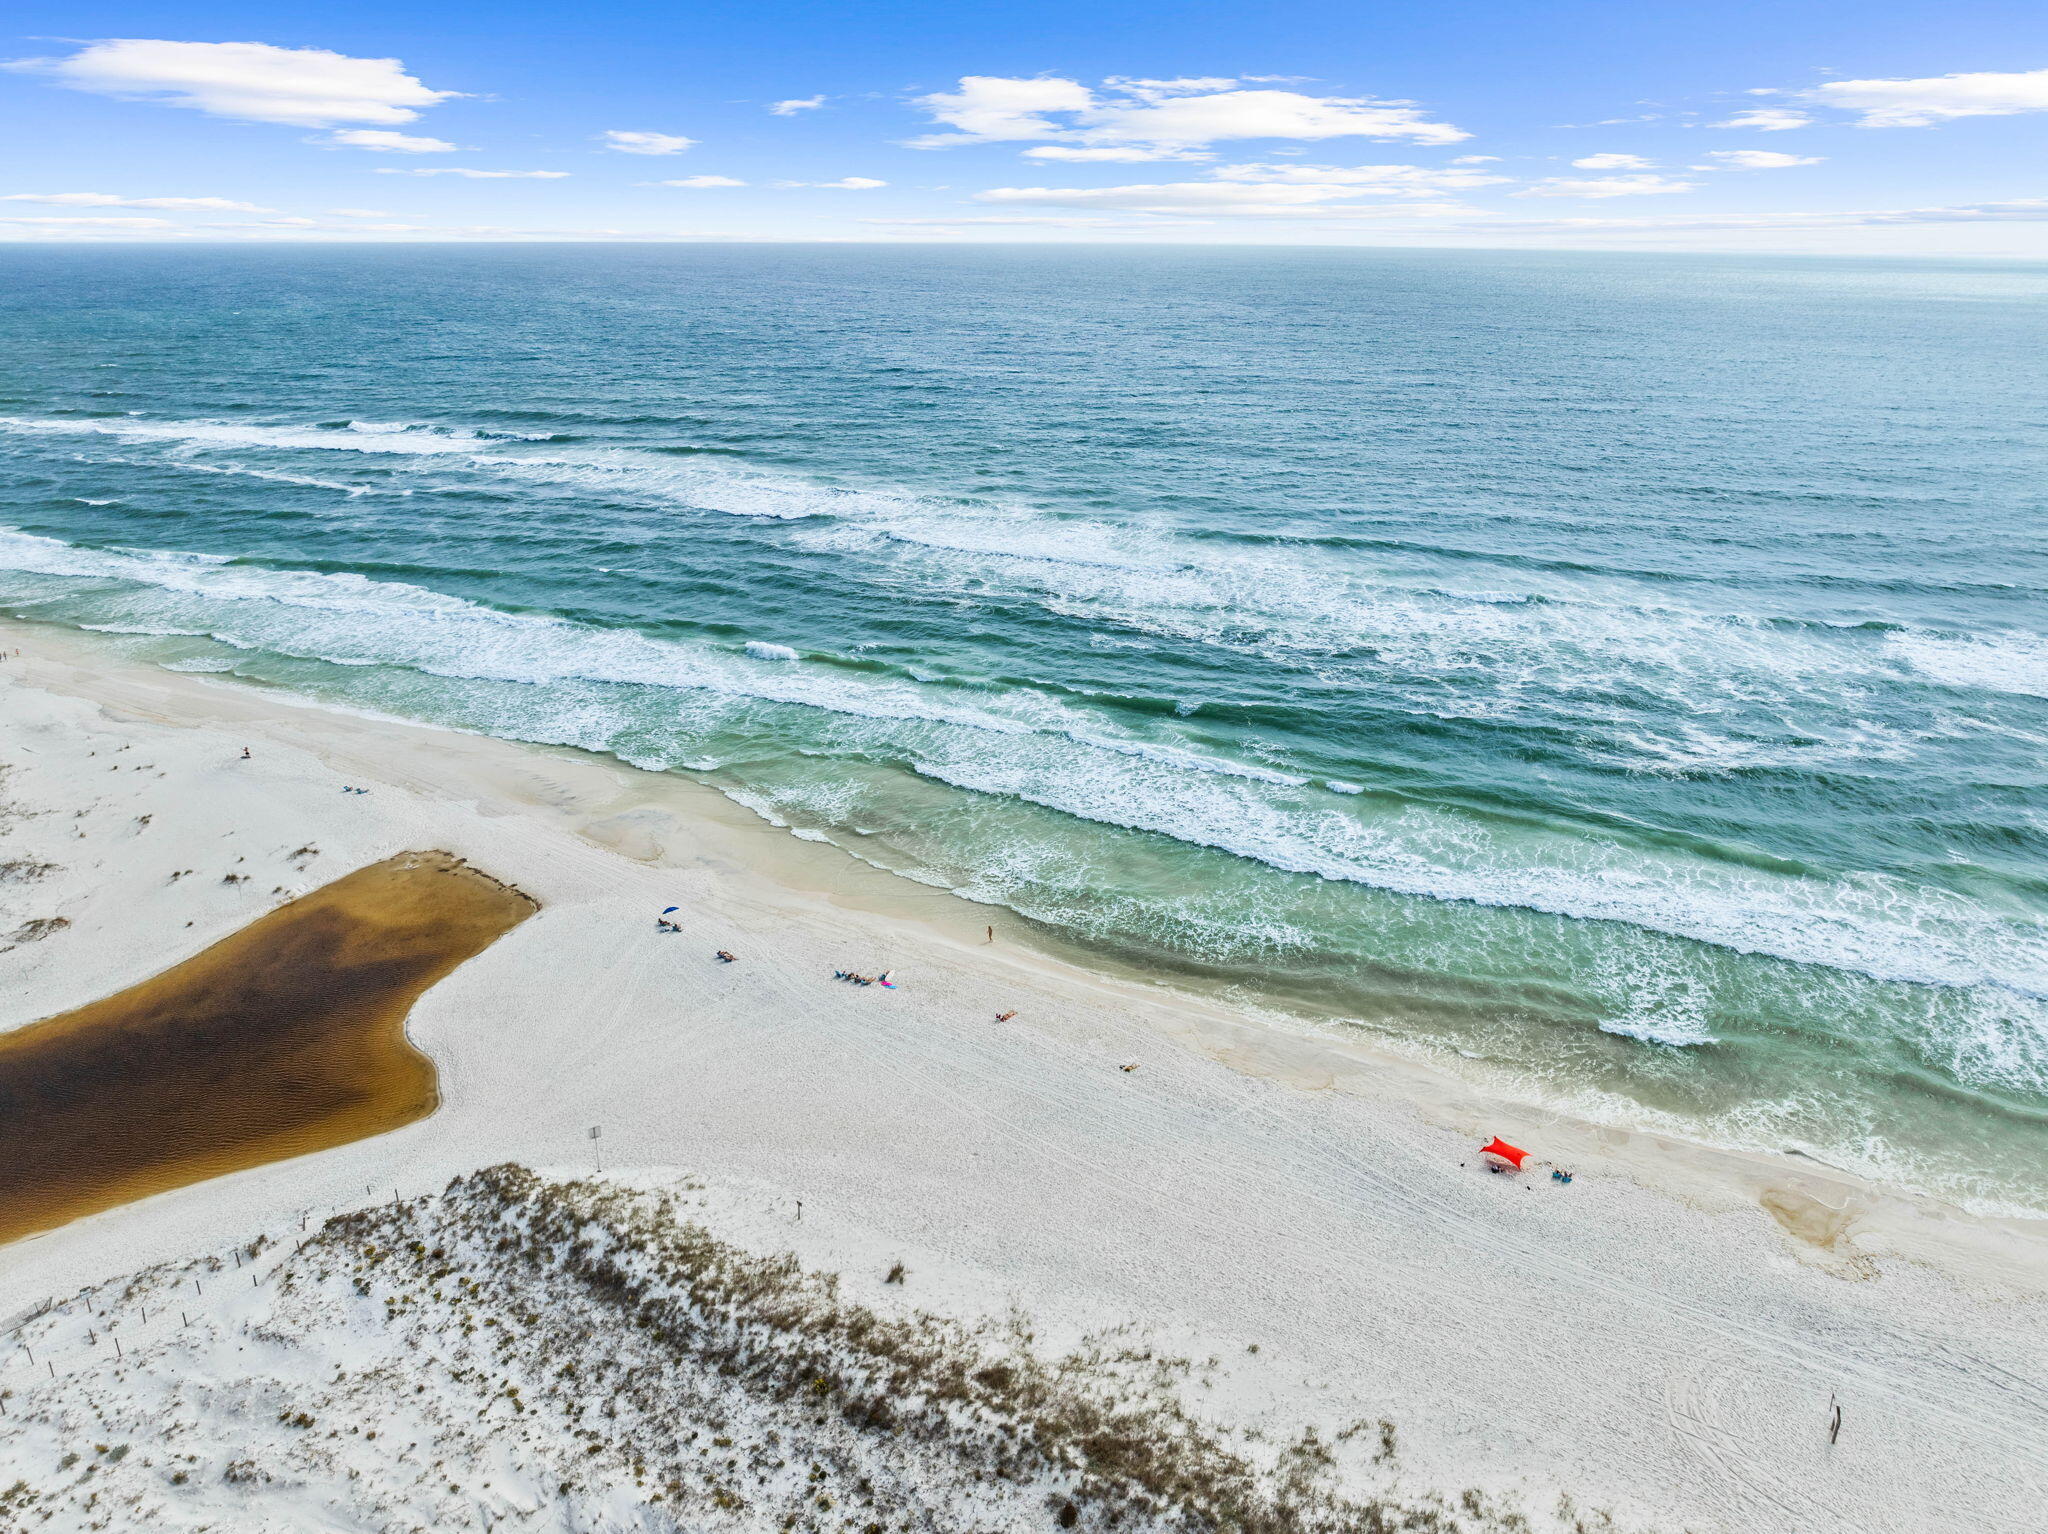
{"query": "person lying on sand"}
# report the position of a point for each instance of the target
(1004, 1017)
(724, 957)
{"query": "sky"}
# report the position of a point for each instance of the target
(1867, 128)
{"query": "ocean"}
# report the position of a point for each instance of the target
(1621, 678)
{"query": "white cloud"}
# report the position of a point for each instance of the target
(254, 82)
(2025, 210)
(1357, 180)
(386, 141)
(1766, 119)
(1936, 99)
(92, 223)
(1082, 154)
(1162, 114)
(1477, 159)
(633, 142)
(476, 175)
(1159, 90)
(360, 212)
(1195, 120)
(700, 181)
(1168, 197)
(843, 184)
(1613, 162)
(1022, 220)
(1756, 159)
(1608, 186)
(109, 200)
(1218, 198)
(988, 108)
(795, 105)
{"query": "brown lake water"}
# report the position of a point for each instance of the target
(283, 1038)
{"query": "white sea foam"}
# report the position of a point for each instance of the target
(1318, 608)
(1071, 761)
(1652, 1030)
(275, 476)
(1654, 684)
(1659, 1002)
(761, 649)
(2015, 663)
(624, 472)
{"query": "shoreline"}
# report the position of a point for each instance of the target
(639, 814)
(1244, 1183)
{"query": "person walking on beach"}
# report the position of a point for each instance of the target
(1834, 1418)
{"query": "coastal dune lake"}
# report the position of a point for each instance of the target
(1619, 678)
(284, 1038)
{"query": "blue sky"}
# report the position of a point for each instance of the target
(1870, 127)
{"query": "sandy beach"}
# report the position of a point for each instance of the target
(1660, 1340)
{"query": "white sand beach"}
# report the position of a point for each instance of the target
(1661, 1339)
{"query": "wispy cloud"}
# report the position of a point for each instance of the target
(795, 105)
(1608, 186)
(1767, 119)
(56, 222)
(474, 175)
(1361, 180)
(1757, 159)
(697, 182)
(386, 141)
(1111, 154)
(2025, 210)
(636, 141)
(110, 200)
(1025, 221)
(1214, 198)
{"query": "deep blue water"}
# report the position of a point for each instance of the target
(1620, 675)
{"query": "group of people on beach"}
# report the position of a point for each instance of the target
(857, 979)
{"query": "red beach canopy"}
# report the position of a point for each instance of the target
(1512, 1154)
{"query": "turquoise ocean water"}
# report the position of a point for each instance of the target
(1623, 676)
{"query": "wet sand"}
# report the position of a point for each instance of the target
(285, 1038)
